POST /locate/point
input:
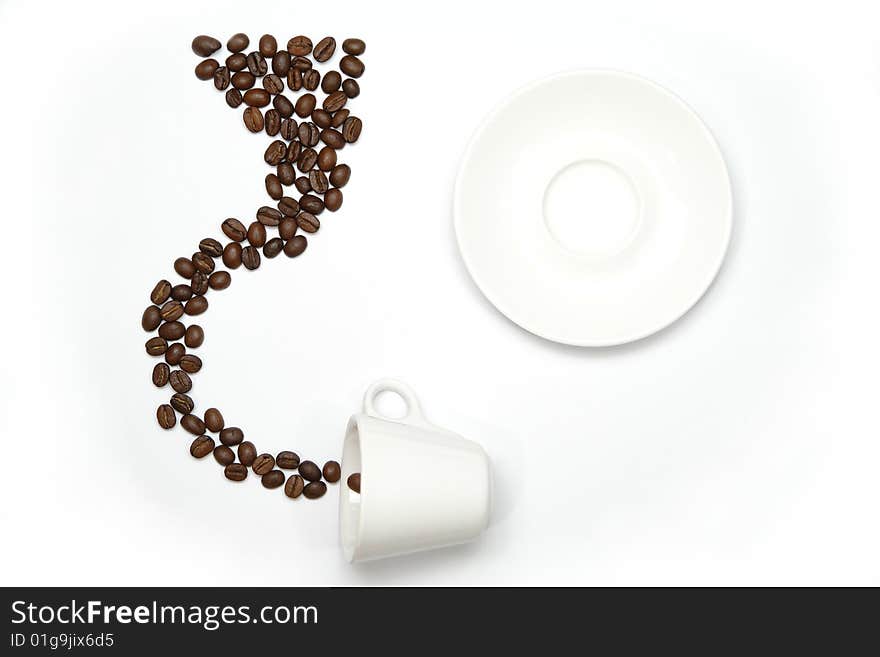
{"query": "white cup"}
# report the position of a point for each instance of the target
(422, 487)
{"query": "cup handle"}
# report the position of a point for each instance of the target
(414, 414)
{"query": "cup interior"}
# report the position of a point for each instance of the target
(350, 501)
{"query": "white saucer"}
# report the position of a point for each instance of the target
(593, 208)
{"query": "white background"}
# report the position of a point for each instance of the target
(740, 446)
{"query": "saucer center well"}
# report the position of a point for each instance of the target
(592, 208)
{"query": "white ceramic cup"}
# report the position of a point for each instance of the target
(422, 487)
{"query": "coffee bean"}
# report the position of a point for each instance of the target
(307, 160)
(302, 64)
(286, 174)
(273, 247)
(234, 229)
(304, 105)
(275, 153)
(317, 179)
(221, 78)
(295, 79)
(333, 138)
(180, 381)
(331, 82)
(204, 45)
(339, 117)
(231, 436)
(161, 292)
(253, 118)
(294, 486)
(205, 69)
(238, 42)
(293, 151)
(257, 97)
(190, 364)
(288, 206)
(307, 222)
(322, 118)
(287, 460)
(295, 246)
(351, 66)
(151, 318)
(354, 46)
(311, 204)
(273, 84)
(351, 129)
(309, 470)
(182, 403)
(233, 98)
(289, 129)
(351, 88)
(214, 420)
(250, 257)
(272, 122)
(171, 310)
(268, 216)
(181, 292)
(331, 471)
(340, 175)
(193, 424)
(174, 353)
(299, 46)
(210, 246)
(232, 255)
(243, 80)
(204, 263)
(165, 416)
(199, 283)
(161, 372)
(281, 63)
(325, 48)
(268, 45)
(223, 455)
(303, 185)
(236, 62)
(326, 161)
(273, 479)
(315, 490)
(196, 306)
(235, 472)
(184, 267)
(354, 482)
(273, 187)
(257, 234)
(335, 101)
(287, 228)
(333, 199)
(311, 79)
(308, 133)
(257, 65)
(156, 346)
(263, 464)
(219, 280)
(172, 330)
(247, 453)
(283, 105)
(201, 447)
(195, 334)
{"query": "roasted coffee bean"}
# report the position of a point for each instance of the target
(331, 471)
(247, 453)
(232, 255)
(333, 138)
(199, 283)
(235, 472)
(151, 318)
(281, 63)
(161, 292)
(165, 416)
(309, 470)
(263, 463)
(204, 263)
(295, 246)
(236, 62)
(231, 436)
(317, 179)
(325, 48)
(333, 199)
(287, 228)
(340, 175)
(311, 204)
(184, 267)
(354, 481)
(289, 129)
(287, 460)
(171, 310)
(351, 88)
(182, 403)
(304, 105)
(273, 84)
(257, 65)
(308, 133)
(250, 257)
(193, 424)
(233, 98)
(201, 447)
(253, 119)
(174, 353)
(221, 78)
(322, 118)
(190, 364)
(275, 153)
(180, 381)
(302, 64)
(195, 334)
(172, 330)
(268, 216)
(351, 66)
(161, 372)
(331, 82)
(219, 280)
(307, 160)
(299, 46)
(294, 486)
(351, 129)
(339, 117)
(210, 246)
(315, 490)
(196, 305)
(272, 122)
(273, 479)
(288, 206)
(285, 173)
(273, 247)
(273, 187)
(293, 151)
(326, 161)
(243, 80)
(205, 69)
(257, 97)
(181, 292)
(156, 346)
(204, 45)
(257, 234)
(224, 455)
(283, 106)
(307, 222)
(311, 79)
(238, 42)
(214, 420)
(302, 184)
(335, 101)
(234, 229)
(354, 46)
(268, 45)
(295, 79)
